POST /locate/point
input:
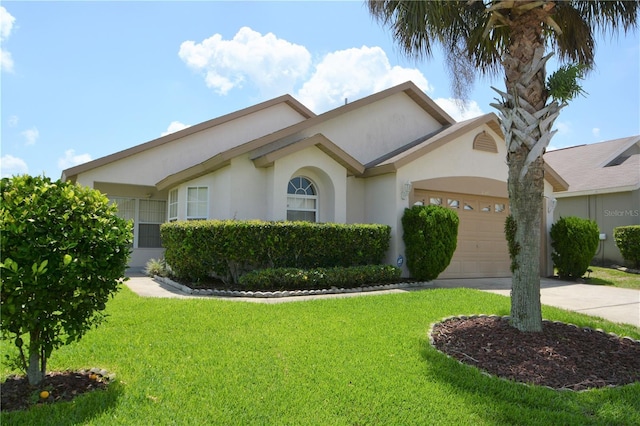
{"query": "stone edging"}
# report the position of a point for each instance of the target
(506, 318)
(286, 293)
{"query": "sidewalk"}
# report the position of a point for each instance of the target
(614, 304)
(611, 303)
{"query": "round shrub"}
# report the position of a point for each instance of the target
(628, 241)
(430, 238)
(575, 242)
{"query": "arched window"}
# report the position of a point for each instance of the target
(302, 200)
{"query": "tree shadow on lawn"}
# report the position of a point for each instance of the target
(80, 410)
(502, 401)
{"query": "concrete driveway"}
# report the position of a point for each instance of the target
(611, 303)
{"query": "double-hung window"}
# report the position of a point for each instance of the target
(302, 200)
(197, 202)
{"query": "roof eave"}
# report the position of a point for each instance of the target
(72, 172)
(612, 190)
(556, 181)
(353, 166)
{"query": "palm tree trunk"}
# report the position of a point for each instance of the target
(525, 197)
(526, 123)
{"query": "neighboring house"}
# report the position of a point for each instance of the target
(364, 162)
(604, 185)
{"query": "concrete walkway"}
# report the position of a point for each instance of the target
(614, 304)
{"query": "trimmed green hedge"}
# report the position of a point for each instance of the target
(430, 238)
(575, 242)
(228, 248)
(318, 278)
(628, 241)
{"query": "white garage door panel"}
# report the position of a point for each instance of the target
(482, 249)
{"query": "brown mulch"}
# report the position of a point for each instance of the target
(562, 356)
(17, 394)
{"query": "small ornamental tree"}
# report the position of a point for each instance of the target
(430, 236)
(63, 254)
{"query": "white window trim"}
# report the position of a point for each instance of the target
(172, 204)
(315, 197)
(206, 216)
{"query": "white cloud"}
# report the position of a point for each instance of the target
(174, 127)
(12, 121)
(6, 25)
(273, 65)
(596, 132)
(10, 165)
(459, 110)
(352, 74)
(30, 136)
(70, 159)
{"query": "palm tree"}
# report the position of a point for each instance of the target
(512, 36)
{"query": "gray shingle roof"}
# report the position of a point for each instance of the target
(600, 167)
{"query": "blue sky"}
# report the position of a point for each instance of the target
(81, 80)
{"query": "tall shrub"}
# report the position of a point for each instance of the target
(628, 241)
(63, 254)
(430, 238)
(575, 242)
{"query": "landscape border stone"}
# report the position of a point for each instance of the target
(284, 293)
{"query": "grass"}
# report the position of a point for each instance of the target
(350, 361)
(613, 277)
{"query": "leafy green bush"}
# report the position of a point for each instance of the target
(628, 241)
(64, 253)
(575, 242)
(228, 248)
(430, 238)
(319, 278)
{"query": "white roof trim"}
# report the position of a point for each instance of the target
(569, 194)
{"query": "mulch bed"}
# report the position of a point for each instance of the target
(18, 394)
(562, 356)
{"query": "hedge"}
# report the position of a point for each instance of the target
(230, 248)
(628, 241)
(575, 243)
(318, 278)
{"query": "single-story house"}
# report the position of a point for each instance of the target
(364, 162)
(604, 186)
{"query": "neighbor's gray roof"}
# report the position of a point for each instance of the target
(592, 168)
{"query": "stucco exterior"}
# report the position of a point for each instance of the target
(364, 161)
(604, 186)
(608, 211)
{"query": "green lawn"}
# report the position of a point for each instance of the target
(613, 277)
(351, 361)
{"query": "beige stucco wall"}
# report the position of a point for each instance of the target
(454, 167)
(329, 177)
(608, 211)
(151, 166)
(376, 129)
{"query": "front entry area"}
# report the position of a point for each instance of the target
(482, 250)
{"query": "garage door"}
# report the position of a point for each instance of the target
(482, 250)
